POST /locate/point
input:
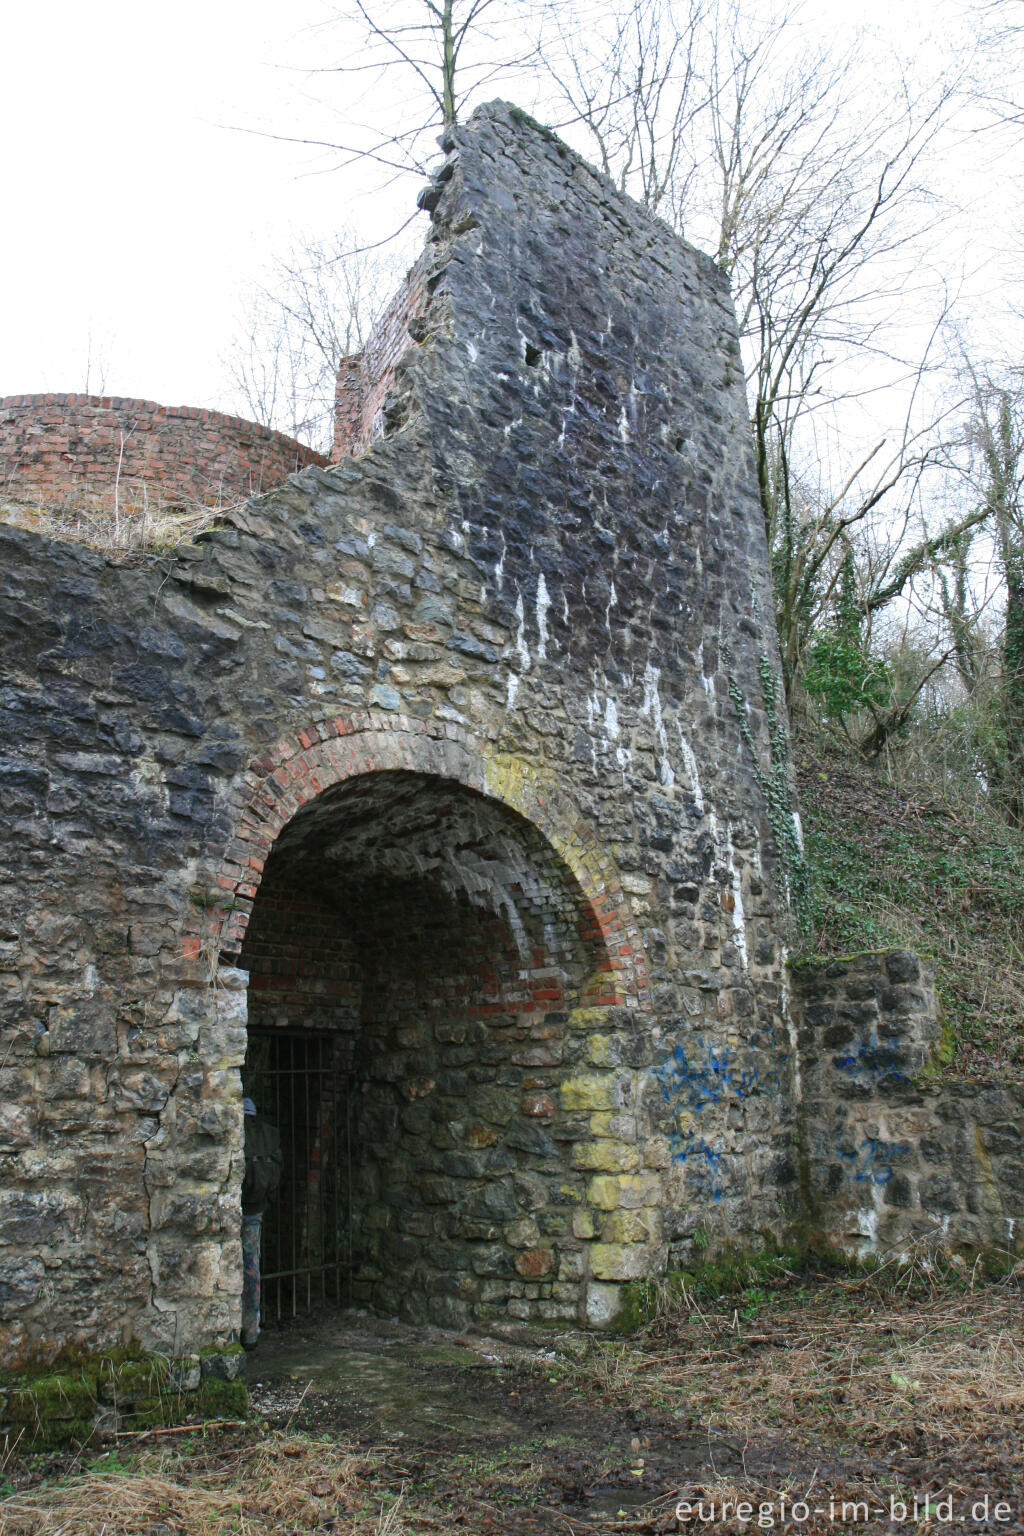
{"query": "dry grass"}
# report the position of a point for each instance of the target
(866, 1359)
(794, 1388)
(145, 525)
(281, 1484)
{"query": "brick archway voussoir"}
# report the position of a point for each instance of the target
(297, 769)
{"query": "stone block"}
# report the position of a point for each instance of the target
(630, 1191)
(533, 1263)
(222, 1364)
(17, 1125)
(621, 1261)
(640, 1226)
(617, 1127)
(584, 1224)
(522, 1234)
(606, 1157)
(601, 1091)
(191, 1271)
(38, 1220)
(21, 1277)
(602, 1304)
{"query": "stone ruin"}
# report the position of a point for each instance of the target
(440, 798)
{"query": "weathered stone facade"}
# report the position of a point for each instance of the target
(897, 1157)
(457, 750)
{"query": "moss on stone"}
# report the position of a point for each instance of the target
(59, 1396)
(638, 1306)
(217, 1399)
(57, 1408)
(135, 1378)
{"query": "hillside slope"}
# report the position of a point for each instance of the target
(893, 866)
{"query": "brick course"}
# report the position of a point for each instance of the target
(366, 379)
(77, 450)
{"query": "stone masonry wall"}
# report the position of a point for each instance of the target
(75, 449)
(544, 586)
(896, 1156)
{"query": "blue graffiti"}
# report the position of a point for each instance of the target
(702, 1085)
(871, 1162)
(868, 1059)
(689, 1087)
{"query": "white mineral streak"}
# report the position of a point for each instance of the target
(611, 720)
(691, 769)
(707, 683)
(798, 828)
(522, 649)
(499, 569)
(652, 708)
(613, 598)
(624, 426)
(790, 1023)
(867, 1227)
(543, 604)
(148, 777)
(513, 689)
(739, 926)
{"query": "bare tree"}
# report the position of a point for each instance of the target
(630, 76)
(316, 307)
(435, 57)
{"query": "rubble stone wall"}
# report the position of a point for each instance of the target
(544, 589)
(897, 1156)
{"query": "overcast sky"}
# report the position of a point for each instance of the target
(139, 209)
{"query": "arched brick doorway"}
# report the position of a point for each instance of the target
(418, 940)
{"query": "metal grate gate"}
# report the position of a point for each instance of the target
(298, 1082)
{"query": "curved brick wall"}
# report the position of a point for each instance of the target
(57, 449)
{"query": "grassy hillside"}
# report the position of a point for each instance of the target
(895, 866)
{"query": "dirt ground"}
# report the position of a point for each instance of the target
(825, 1406)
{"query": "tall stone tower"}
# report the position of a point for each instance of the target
(438, 779)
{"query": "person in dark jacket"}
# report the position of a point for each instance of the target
(263, 1162)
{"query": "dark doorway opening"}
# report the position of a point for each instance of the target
(300, 1083)
(422, 967)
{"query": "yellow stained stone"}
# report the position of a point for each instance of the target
(632, 1227)
(618, 1261)
(630, 1190)
(592, 1091)
(606, 1157)
(583, 1224)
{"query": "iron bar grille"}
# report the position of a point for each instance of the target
(298, 1082)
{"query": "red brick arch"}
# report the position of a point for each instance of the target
(299, 768)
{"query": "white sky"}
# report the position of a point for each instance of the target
(138, 211)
